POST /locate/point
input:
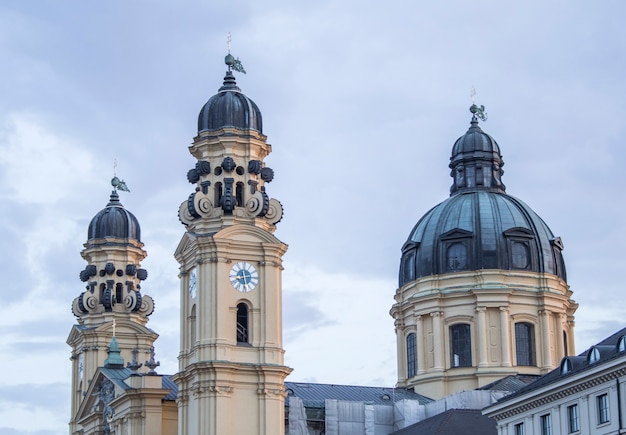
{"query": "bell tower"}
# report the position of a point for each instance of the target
(231, 363)
(111, 304)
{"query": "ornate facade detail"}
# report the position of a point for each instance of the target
(105, 394)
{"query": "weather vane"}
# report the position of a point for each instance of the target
(478, 112)
(231, 61)
(116, 182)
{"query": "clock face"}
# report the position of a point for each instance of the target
(244, 277)
(193, 283)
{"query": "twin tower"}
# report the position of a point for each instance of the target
(482, 292)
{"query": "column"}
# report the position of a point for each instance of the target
(401, 346)
(438, 339)
(558, 335)
(419, 344)
(545, 338)
(481, 337)
(505, 336)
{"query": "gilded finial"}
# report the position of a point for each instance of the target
(477, 112)
(230, 60)
(116, 182)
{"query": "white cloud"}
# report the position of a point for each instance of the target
(39, 167)
(353, 342)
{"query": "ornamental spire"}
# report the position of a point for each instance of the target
(116, 182)
(476, 162)
(232, 62)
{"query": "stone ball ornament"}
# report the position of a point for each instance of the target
(267, 174)
(193, 176)
(203, 167)
(142, 274)
(254, 167)
(228, 164)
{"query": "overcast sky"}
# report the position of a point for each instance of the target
(361, 102)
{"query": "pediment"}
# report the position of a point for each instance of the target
(456, 233)
(519, 232)
(92, 404)
(75, 334)
(186, 245)
(246, 233)
(125, 326)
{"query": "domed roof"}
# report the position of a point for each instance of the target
(479, 226)
(230, 108)
(114, 221)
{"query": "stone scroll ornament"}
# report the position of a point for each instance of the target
(93, 300)
(206, 203)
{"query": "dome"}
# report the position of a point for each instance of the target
(230, 108)
(480, 230)
(479, 226)
(114, 221)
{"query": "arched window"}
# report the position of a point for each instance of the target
(460, 346)
(593, 355)
(218, 194)
(566, 366)
(621, 344)
(242, 323)
(119, 292)
(565, 349)
(457, 257)
(411, 362)
(239, 194)
(525, 344)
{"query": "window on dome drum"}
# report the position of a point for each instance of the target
(242, 323)
(407, 272)
(461, 346)
(565, 343)
(602, 402)
(546, 424)
(520, 255)
(411, 363)
(573, 419)
(457, 257)
(518, 429)
(525, 344)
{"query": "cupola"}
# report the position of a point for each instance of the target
(230, 107)
(479, 226)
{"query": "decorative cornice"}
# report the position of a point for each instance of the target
(564, 393)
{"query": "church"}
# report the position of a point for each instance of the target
(482, 307)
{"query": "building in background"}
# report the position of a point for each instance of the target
(584, 395)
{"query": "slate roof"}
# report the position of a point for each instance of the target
(453, 422)
(608, 351)
(313, 395)
(118, 376)
(510, 383)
